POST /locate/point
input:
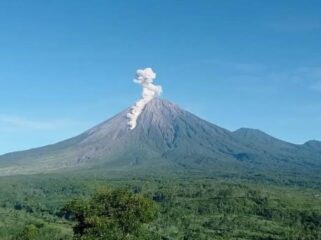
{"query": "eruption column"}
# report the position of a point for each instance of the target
(145, 78)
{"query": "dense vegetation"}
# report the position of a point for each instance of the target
(34, 207)
(114, 215)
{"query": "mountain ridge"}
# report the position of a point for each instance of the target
(169, 136)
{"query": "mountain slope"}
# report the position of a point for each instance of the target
(166, 136)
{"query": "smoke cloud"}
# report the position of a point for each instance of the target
(145, 78)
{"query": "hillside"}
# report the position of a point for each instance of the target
(167, 136)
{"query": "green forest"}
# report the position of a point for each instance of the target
(71, 206)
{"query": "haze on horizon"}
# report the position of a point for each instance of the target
(66, 66)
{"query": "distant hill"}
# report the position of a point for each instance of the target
(167, 137)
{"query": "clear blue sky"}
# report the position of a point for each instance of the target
(68, 65)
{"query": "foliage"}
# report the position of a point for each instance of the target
(117, 214)
(189, 207)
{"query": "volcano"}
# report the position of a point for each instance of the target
(167, 136)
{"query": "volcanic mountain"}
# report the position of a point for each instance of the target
(167, 137)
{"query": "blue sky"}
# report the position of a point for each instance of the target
(68, 65)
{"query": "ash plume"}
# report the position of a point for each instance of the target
(145, 78)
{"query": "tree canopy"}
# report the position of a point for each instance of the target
(117, 214)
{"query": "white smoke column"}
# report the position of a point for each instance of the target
(144, 77)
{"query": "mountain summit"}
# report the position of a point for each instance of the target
(165, 136)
